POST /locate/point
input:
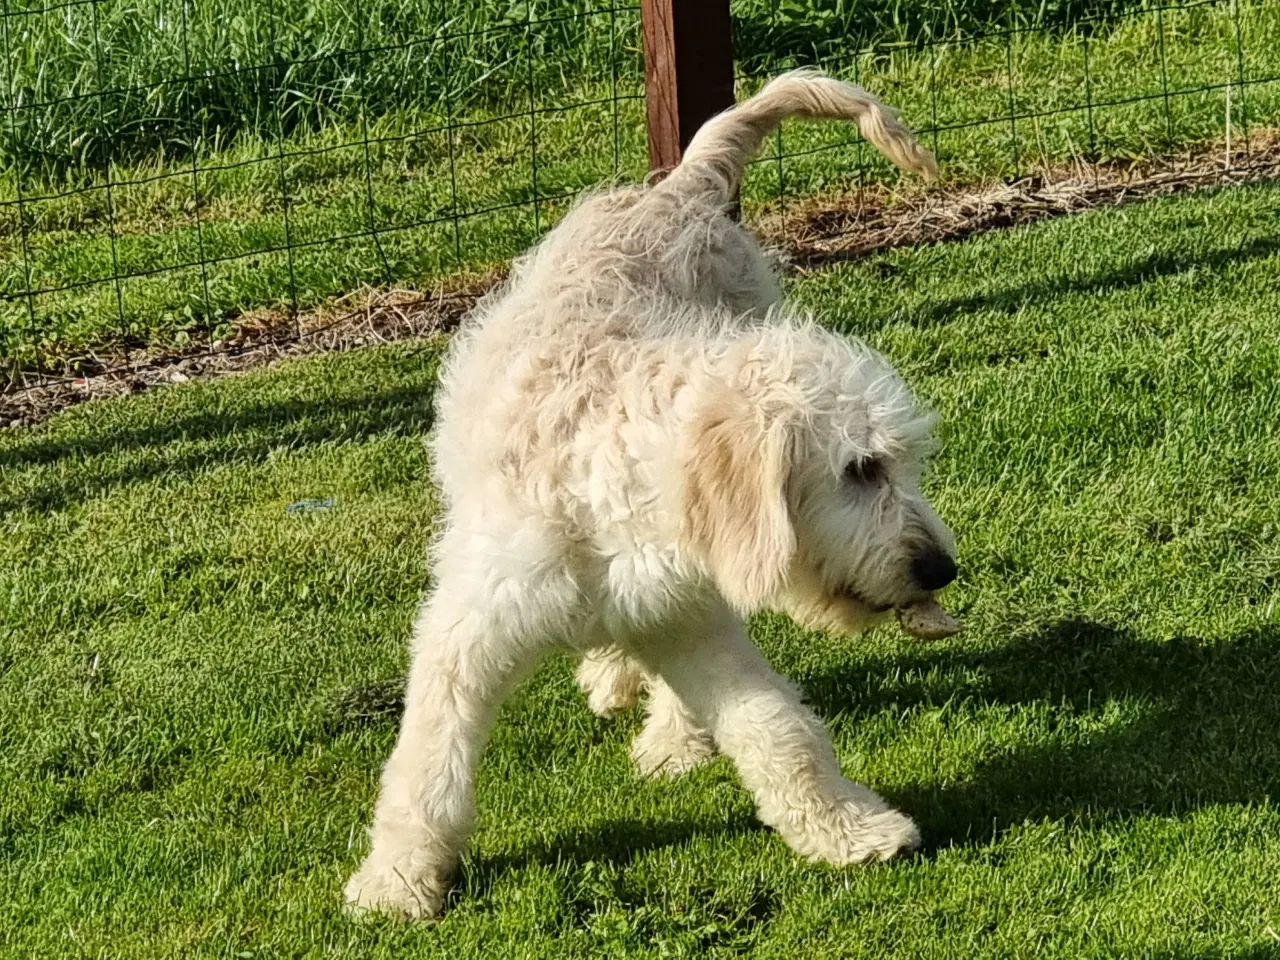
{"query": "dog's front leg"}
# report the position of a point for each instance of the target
(463, 664)
(780, 747)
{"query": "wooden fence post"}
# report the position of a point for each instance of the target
(688, 72)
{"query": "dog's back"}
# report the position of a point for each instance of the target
(629, 265)
(678, 239)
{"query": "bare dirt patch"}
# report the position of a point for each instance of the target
(362, 318)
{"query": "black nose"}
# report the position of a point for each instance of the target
(932, 570)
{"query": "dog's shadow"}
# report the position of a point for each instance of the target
(615, 841)
(599, 882)
(1134, 726)
(1121, 726)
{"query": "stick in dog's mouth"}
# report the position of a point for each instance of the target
(923, 619)
(926, 620)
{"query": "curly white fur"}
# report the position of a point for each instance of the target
(637, 447)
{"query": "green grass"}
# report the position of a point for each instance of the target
(185, 770)
(219, 197)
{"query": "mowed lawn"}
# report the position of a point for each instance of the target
(192, 680)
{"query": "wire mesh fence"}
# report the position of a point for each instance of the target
(1033, 88)
(170, 169)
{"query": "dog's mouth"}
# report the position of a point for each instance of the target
(847, 592)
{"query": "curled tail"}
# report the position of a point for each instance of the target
(718, 154)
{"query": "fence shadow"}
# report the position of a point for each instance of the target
(198, 441)
(1153, 267)
(1206, 732)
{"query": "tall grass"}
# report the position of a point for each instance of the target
(770, 32)
(91, 81)
(99, 80)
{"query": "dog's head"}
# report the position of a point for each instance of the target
(800, 479)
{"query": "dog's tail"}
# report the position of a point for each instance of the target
(718, 154)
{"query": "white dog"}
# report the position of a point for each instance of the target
(636, 449)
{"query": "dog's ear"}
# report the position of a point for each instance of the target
(734, 509)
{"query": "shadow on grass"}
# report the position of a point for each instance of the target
(1206, 734)
(1257, 951)
(600, 884)
(617, 841)
(1153, 267)
(204, 440)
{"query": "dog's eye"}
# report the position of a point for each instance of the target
(864, 472)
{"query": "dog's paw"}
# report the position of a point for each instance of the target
(605, 702)
(858, 828)
(879, 836)
(668, 753)
(395, 891)
(612, 682)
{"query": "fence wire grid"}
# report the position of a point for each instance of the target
(171, 168)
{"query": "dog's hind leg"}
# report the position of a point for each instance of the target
(612, 680)
(471, 643)
(671, 741)
(781, 749)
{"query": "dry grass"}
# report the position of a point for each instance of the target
(363, 317)
(823, 230)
